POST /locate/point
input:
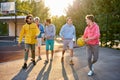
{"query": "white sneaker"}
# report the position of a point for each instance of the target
(90, 73)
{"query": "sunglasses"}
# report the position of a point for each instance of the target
(30, 18)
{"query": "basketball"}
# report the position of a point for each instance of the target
(80, 42)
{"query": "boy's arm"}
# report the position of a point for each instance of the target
(21, 35)
(74, 34)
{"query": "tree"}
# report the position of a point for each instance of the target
(40, 10)
(107, 14)
(58, 22)
(35, 8)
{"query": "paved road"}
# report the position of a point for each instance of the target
(107, 67)
(9, 50)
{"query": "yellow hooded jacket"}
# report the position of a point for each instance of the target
(29, 32)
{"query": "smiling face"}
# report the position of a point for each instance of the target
(88, 21)
(36, 21)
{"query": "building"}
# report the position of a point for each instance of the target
(14, 24)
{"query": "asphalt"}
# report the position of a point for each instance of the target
(107, 67)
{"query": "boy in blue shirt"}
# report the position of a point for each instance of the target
(40, 36)
(49, 35)
(67, 33)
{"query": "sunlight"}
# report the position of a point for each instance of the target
(57, 7)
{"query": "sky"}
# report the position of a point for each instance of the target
(57, 7)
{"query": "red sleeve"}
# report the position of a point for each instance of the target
(97, 33)
(85, 33)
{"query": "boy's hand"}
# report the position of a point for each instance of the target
(87, 39)
(19, 45)
(35, 37)
(62, 38)
(48, 37)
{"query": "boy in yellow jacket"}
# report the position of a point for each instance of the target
(30, 32)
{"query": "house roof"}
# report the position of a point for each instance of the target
(11, 17)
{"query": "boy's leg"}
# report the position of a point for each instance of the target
(47, 48)
(27, 46)
(71, 51)
(43, 36)
(95, 53)
(89, 56)
(33, 52)
(52, 48)
(39, 45)
(89, 51)
(64, 48)
(26, 55)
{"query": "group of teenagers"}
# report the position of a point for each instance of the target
(34, 32)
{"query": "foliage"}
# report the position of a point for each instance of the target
(23, 8)
(35, 8)
(40, 10)
(58, 22)
(107, 15)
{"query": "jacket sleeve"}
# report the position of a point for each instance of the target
(85, 33)
(54, 31)
(61, 32)
(43, 31)
(74, 34)
(96, 33)
(21, 35)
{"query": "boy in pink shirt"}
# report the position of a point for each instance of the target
(91, 37)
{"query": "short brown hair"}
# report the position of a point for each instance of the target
(68, 18)
(48, 20)
(90, 17)
(27, 17)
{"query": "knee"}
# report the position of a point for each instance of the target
(95, 60)
(38, 47)
(89, 59)
(33, 51)
(26, 50)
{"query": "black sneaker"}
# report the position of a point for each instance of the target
(51, 59)
(34, 63)
(46, 61)
(24, 66)
(32, 59)
(39, 57)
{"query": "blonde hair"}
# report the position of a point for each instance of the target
(90, 17)
(37, 18)
(68, 18)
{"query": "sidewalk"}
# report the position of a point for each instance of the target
(107, 67)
